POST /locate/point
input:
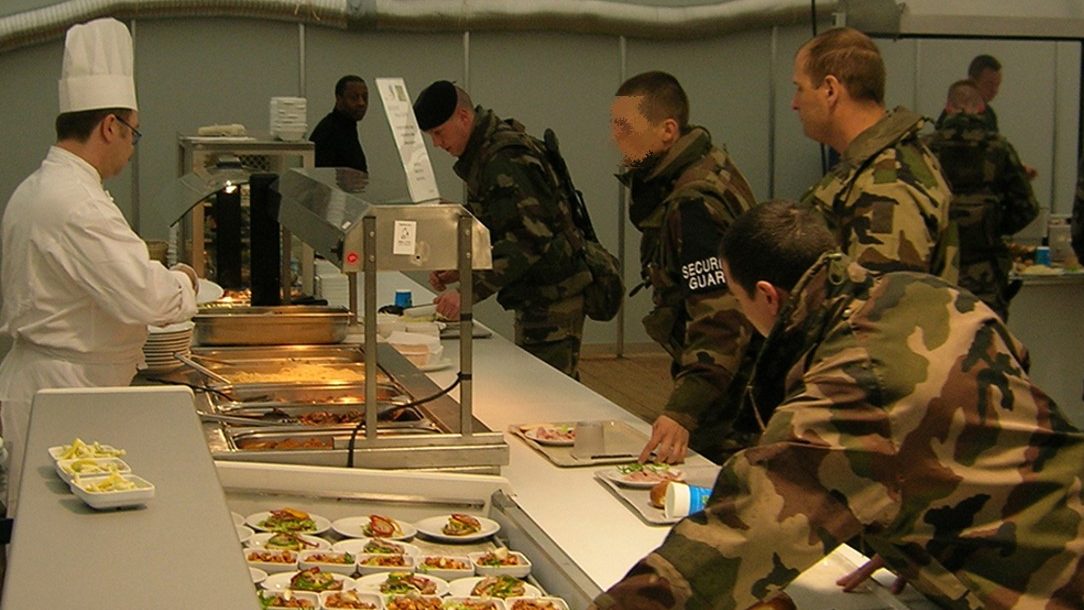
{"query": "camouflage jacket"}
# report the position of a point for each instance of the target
(988, 117)
(906, 417)
(888, 202)
(1077, 223)
(991, 194)
(682, 205)
(515, 193)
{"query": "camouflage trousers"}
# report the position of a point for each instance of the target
(553, 333)
(988, 280)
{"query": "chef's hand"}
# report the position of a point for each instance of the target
(448, 304)
(852, 581)
(439, 280)
(190, 272)
(669, 440)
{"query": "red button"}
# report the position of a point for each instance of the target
(352, 257)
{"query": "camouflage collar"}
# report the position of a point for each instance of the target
(651, 186)
(961, 122)
(893, 127)
(486, 123)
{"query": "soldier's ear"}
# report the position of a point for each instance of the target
(833, 89)
(671, 131)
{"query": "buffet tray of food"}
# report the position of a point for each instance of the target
(394, 541)
(286, 324)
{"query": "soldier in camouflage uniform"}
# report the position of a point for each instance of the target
(886, 199)
(992, 197)
(685, 193)
(985, 72)
(897, 407)
(513, 190)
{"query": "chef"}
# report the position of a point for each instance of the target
(79, 288)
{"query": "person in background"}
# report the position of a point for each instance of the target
(78, 284)
(1077, 221)
(886, 199)
(336, 135)
(992, 197)
(513, 189)
(898, 408)
(685, 193)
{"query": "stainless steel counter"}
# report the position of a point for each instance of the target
(180, 551)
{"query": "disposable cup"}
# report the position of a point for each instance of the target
(682, 499)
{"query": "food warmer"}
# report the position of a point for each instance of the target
(255, 411)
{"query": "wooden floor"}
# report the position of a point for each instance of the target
(639, 382)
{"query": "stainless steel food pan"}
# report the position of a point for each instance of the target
(272, 325)
(271, 394)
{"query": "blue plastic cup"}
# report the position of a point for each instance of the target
(403, 299)
(683, 499)
(1042, 255)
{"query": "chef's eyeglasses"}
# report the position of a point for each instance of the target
(136, 136)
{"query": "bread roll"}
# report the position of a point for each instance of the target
(658, 493)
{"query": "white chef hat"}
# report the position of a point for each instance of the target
(97, 71)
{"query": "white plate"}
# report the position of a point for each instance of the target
(281, 581)
(259, 541)
(238, 518)
(356, 527)
(244, 532)
(531, 431)
(257, 575)
(321, 524)
(143, 492)
(518, 570)
(357, 546)
(435, 366)
(621, 478)
(208, 292)
(372, 582)
(463, 587)
(178, 327)
(433, 527)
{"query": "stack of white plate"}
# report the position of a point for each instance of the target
(163, 342)
(334, 285)
(288, 118)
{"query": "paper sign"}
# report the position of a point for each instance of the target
(408, 139)
(406, 237)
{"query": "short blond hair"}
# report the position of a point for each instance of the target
(852, 58)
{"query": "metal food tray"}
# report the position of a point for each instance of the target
(337, 373)
(638, 498)
(285, 394)
(263, 354)
(622, 443)
(337, 437)
(286, 324)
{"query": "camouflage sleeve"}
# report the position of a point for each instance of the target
(1019, 206)
(716, 332)
(1078, 214)
(517, 203)
(896, 211)
(776, 508)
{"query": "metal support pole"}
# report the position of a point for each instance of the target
(368, 226)
(466, 324)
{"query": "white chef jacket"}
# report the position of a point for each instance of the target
(79, 290)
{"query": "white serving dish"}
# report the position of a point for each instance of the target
(257, 575)
(520, 570)
(428, 601)
(143, 492)
(433, 527)
(554, 603)
(458, 602)
(244, 532)
(92, 450)
(365, 568)
(464, 587)
(357, 546)
(447, 573)
(373, 582)
(363, 596)
(357, 527)
(307, 559)
(310, 597)
(90, 467)
(260, 540)
(281, 582)
(272, 567)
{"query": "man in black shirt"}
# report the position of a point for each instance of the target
(336, 135)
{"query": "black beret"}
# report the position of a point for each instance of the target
(435, 105)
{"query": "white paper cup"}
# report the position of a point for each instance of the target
(589, 440)
(682, 499)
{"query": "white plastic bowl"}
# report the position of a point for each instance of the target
(272, 567)
(312, 598)
(144, 491)
(89, 467)
(327, 598)
(365, 567)
(447, 573)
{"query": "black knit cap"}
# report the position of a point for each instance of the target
(435, 105)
